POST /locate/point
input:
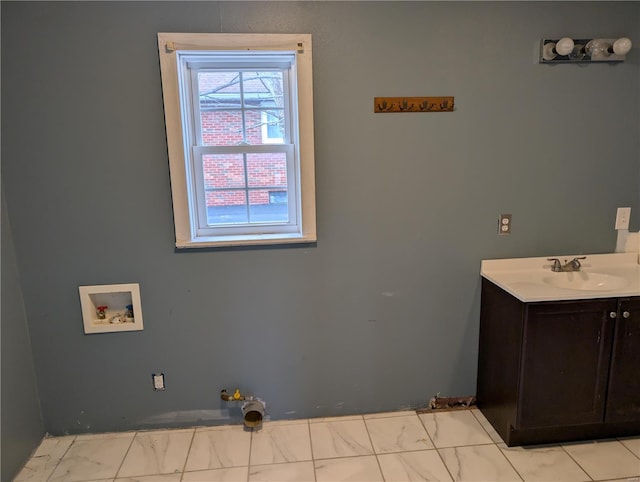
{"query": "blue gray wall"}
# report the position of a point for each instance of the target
(383, 312)
(21, 426)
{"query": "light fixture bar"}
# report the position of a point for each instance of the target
(568, 50)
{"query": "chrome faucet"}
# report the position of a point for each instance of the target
(573, 265)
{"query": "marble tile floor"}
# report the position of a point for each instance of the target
(393, 447)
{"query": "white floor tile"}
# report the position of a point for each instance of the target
(353, 469)
(626, 479)
(157, 452)
(91, 458)
(233, 474)
(277, 443)
(633, 444)
(289, 472)
(54, 447)
(478, 463)
(345, 418)
(45, 459)
(403, 413)
(487, 426)
(343, 438)
(296, 421)
(397, 434)
(440, 446)
(101, 436)
(607, 459)
(410, 466)
(151, 478)
(219, 447)
(455, 428)
(544, 464)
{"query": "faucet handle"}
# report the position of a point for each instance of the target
(556, 264)
(576, 264)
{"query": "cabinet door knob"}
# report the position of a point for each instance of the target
(613, 314)
(626, 314)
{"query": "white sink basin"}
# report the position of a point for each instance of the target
(532, 279)
(586, 281)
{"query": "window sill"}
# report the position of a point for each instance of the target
(255, 240)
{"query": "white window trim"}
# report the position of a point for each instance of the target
(168, 45)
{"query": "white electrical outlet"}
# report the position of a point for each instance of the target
(622, 218)
(158, 381)
(504, 224)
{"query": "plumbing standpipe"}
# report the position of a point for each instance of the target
(252, 408)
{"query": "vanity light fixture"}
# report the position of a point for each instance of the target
(567, 50)
(551, 49)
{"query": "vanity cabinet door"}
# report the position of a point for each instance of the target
(623, 399)
(565, 363)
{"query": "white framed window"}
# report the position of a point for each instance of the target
(239, 120)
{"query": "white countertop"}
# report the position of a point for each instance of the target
(531, 279)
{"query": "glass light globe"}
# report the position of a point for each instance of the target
(564, 46)
(622, 46)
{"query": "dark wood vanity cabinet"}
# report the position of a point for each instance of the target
(559, 370)
(623, 392)
(564, 363)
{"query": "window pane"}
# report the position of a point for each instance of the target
(227, 207)
(262, 89)
(221, 127)
(267, 170)
(262, 210)
(265, 126)
(219, 89)
(223, 171)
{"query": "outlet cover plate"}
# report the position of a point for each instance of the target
(622, 218)
(158, 381)
(504, 224)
